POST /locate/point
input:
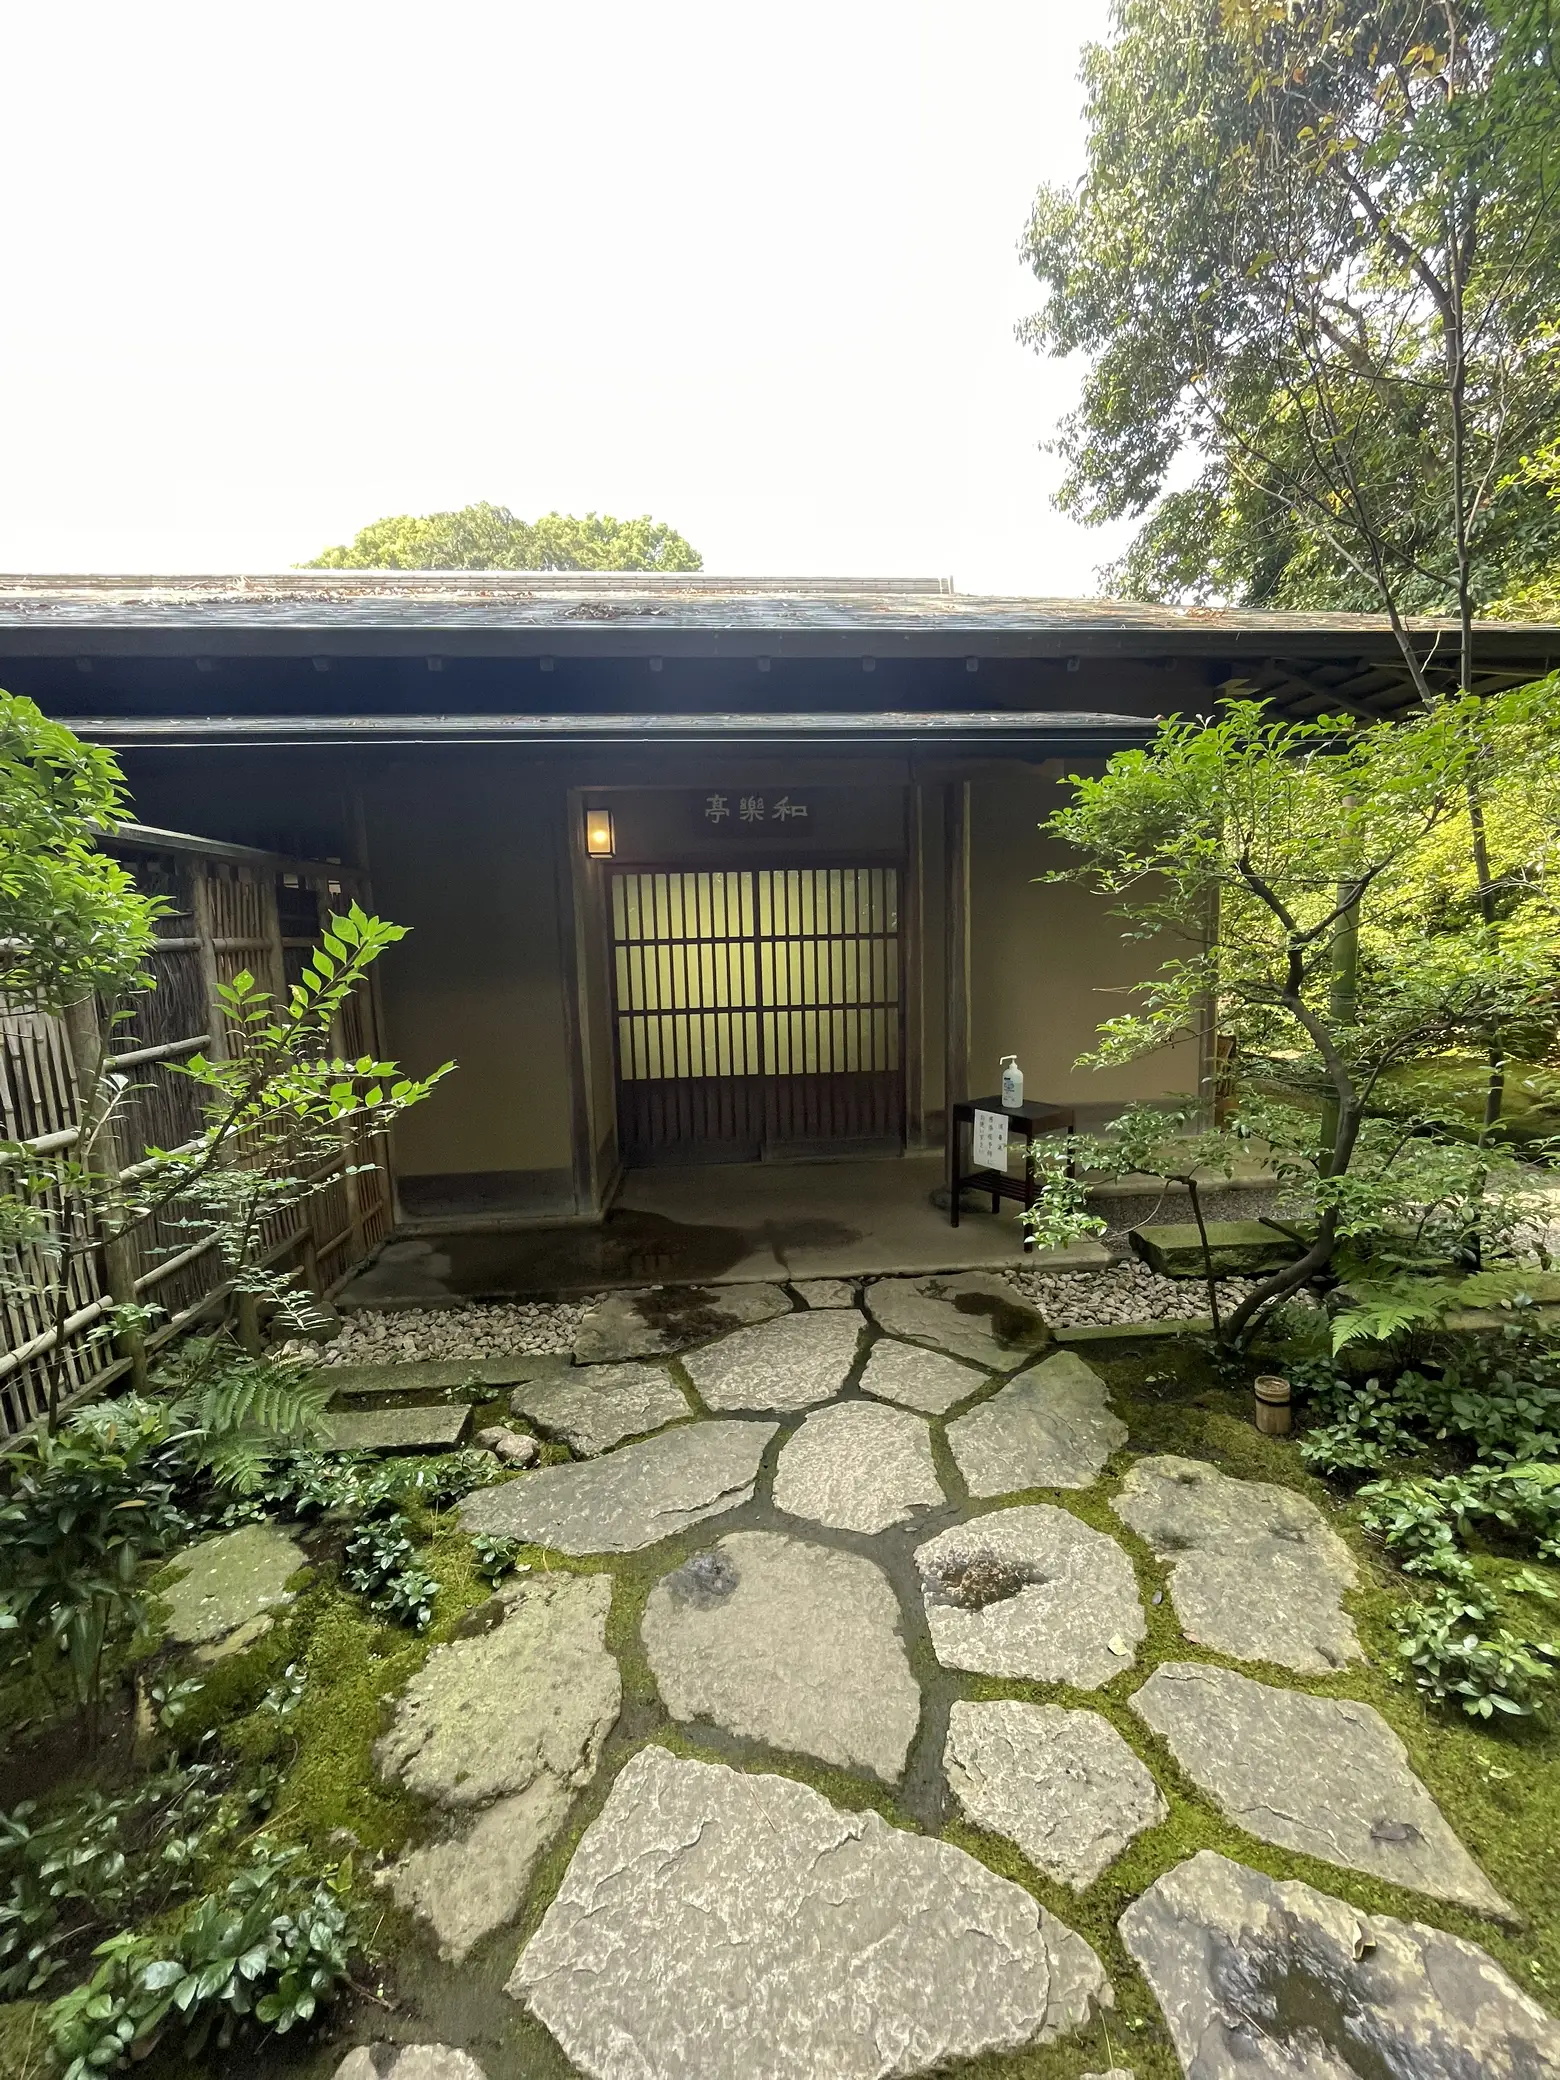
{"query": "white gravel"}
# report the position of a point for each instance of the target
(1127, 1292)
(485, 1329)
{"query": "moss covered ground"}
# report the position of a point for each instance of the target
(1499, 1788)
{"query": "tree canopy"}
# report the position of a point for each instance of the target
(1314, 264)
(485, 537)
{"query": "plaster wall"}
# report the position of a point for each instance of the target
(474, 868)
(1047, 965)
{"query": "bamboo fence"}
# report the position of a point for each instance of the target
(230, 908)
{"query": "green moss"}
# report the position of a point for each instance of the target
(22, 2041)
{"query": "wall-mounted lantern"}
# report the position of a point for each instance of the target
(599, 842)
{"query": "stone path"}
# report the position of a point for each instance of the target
(509, 1726)
(1064, 1786)
(727, 1925)
(833, 1568)
(1254, 1571)
(635, 1497)
(785, 1365)
(1260, 1979)
(1031, 1593)
(858, 1467)
(597, 1406)
(1051, 1427)
(1324, 1775)
(975, 1315)
(779, 1641)
(226, 1589)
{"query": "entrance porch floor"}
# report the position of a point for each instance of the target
(728, 1223)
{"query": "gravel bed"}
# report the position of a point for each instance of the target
(485, 1329)
(1127, 1292)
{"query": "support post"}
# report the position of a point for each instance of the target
(956, 967)
(88, 1045)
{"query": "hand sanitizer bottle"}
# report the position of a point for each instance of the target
(1012, 1083)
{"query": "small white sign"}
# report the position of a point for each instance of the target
(990, 1148)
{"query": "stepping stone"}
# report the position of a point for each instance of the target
(228, 1586)
(636, 1496)
(783, 1365)
(662, 1319)
(1051, 1427)
(825, 1292)
(1239, 1249)
(973, 1315)
(791, 1644)
(1031, 1593)
(597, 1406)
(917, 1378)
(395, 1429)
(510, 1725)
(408, 2062)
(859, 1467)
(1064, 1786)
(1258, 1978)
(735, 1926)
(437, 1376)
(1255, 1571)
(1324, 1776)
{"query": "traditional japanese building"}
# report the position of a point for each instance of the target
(698, 870)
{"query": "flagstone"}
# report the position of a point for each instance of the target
(1255, 1570)
(793, 1644)
(784, 1365)
(1063, 1785)
(1050, 1427)
(1324, 1776)
(917, 1378)
(507, 1726)
(661, 1319)
(971, 1314)
(730, 1925)
(634, 1497)
(1266, 1980)
(595, 1407)
(858, 1467)
(1033, 1593)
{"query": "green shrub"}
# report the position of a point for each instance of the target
(268, 1950)
(1456, 1653)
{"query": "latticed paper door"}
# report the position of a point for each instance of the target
(758, 1012)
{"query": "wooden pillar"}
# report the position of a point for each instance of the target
(956, 930)
(202, 914)
(88, 1045)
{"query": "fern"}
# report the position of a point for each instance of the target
(1383, 1307)
(237, 1413)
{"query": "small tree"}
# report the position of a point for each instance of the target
(1339, 962)
(74, 936)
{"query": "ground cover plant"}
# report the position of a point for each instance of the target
(1462, 1452)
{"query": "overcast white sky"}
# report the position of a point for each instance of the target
(272, 271)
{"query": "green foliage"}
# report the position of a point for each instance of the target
(83, 1509)
(382, 1566)
(1294, 838)
(1499, 1407)
(1316, 255)
(1381, 1309)
(486, 537)
(239, 1413)
(1456, 1653)
(496, 1557)
(71, 918)
(85, 1866)
(268, 1950)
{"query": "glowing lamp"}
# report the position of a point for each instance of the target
(598, 833)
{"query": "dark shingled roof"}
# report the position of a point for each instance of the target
(580, 609)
